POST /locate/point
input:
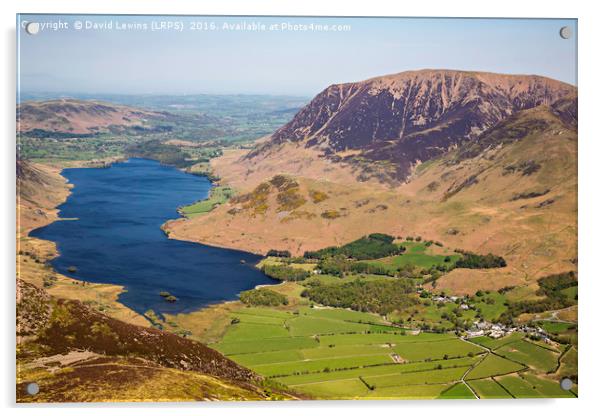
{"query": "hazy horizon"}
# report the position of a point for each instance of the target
(134, 55)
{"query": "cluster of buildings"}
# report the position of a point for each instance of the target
(451, 299)
(493, 330)
(481, 328)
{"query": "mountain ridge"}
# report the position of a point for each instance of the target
(81, 117)
(410, 117)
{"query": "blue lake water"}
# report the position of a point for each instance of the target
(111, 234)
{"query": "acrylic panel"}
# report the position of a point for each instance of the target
(284, 208)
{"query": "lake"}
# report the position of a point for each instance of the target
(111, 234)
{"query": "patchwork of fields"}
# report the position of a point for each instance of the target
(343, 354)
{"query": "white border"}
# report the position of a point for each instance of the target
(590, 179)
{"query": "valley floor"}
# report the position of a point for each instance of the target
(329, 353)
(342, 354)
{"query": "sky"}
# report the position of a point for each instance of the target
(279, 55)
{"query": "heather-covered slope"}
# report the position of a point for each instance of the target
(405, 119)
(77, 354)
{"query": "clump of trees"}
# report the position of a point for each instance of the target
(372, 246)
(167, 154)
(286, 273)
(553, 284)
(379, 296)
(263, 297)
(551, 287)
(369, 268)
(279, 253)
(477, 261)
(340, 265)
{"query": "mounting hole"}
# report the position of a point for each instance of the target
(32, 389)
(566, 384)
(565, 32)
(32, 28)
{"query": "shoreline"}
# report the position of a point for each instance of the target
(170, 234)
(265, 285)
(54, 251)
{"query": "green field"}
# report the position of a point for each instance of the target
(488, 388)
(416, 254)
(218, 195)
(527, 385)
(493, 365)
(446, 375)
(547, 388)
(277, 261)
(311, 325)
(553, 327)
(334, 353)
(492, 343)
(381, 338)
(490, 305)
(344, 351)
(568, 364)
(264, 345)
(382, 370)
(418, 392)
(355, 389)
(343, 315)
(529, 354)
(451, 348)
(270, 357)
(457, 391)
(518, 387)
(244, 332)
(570, 292)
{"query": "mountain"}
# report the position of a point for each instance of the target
(482, 162)
(406, 119)
(71, 117)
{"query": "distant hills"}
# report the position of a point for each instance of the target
(187, 117)
(80, 117)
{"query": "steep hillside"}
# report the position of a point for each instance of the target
(510, 191)
(76, 354)
(71, 117)
(402, 120)
(40, 189)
